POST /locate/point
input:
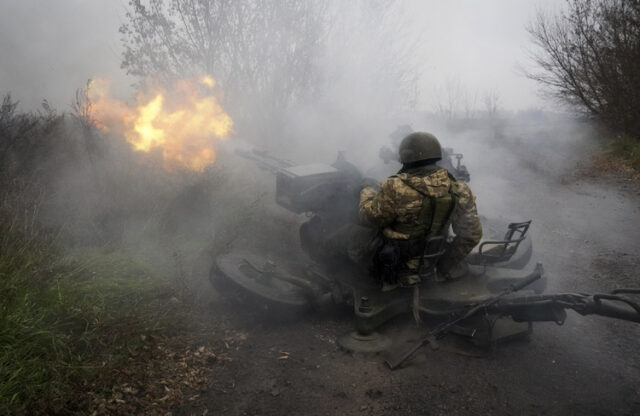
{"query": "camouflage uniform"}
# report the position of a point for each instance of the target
(397, 206)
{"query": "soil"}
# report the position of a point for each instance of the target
(586, 232)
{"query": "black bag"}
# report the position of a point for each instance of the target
(387, 263)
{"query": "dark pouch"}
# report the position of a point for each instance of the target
(387, 263)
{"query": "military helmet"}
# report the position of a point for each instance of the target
(419, 146)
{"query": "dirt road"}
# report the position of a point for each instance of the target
(587, 234)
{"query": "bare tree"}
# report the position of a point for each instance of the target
(82, 106)
(491, 100)
(456, 101)
(589, 57)
(372, 52)
(469, 103)
(450, 98)
(262, 53)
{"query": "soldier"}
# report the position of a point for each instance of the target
(414, 209)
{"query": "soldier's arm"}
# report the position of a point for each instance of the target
(465, 223)
(377, 207)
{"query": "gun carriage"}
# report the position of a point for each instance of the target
(494, 300)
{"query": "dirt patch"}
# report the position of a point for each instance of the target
(607, 168)
(297, 368)
(620, 269)
(238, 363)
(167, 371)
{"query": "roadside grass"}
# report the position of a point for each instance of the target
(80, 328)
(626, 147)
(618, 158)
(69, 320)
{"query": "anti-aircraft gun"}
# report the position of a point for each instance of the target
(329, 194)
(494, 301)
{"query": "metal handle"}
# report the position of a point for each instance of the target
(597, 299)
(537, 274)
(613, 311)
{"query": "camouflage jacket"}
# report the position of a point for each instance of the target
(398, 204)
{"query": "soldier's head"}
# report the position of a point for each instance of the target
(420, 148)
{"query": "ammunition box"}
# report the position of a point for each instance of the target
(311, 188)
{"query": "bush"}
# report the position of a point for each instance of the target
(589, 57)
(70, 317)
(626, 147)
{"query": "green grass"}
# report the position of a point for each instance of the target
(67, 320)
(626, 147)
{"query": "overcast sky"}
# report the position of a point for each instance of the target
(50, 48)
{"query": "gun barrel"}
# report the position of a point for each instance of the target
(604, 305)
(264, 160)
(546, 307)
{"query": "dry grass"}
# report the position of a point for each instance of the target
(85, 320)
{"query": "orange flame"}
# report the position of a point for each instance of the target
(182, 122)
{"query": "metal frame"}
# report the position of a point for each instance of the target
(504, 249)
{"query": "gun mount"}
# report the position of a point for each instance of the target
(495, 300)
(314, 188)
(452, 161)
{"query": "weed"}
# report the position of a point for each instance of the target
(68, 321)
(626, 147)
(72, 320)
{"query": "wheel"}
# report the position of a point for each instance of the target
(257, 284)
